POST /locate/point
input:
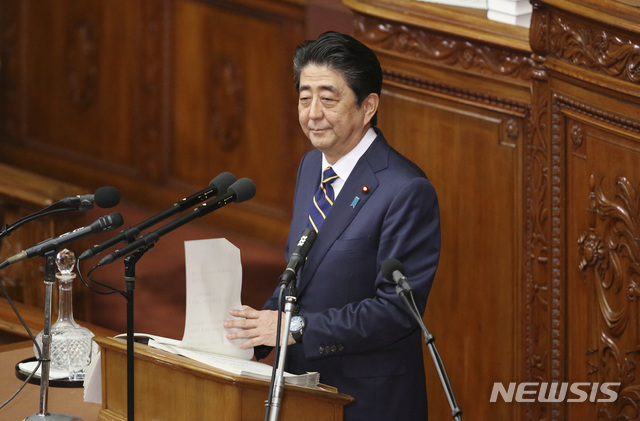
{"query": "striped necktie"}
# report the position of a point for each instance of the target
(323, 200)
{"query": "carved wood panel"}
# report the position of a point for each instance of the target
(581, 178)
(603, 249)
(540, 294)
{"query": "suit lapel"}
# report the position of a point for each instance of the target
(346, 207)
(309, 180)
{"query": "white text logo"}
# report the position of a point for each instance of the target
(555, 392)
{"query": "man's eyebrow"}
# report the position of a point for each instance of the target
(329, 88)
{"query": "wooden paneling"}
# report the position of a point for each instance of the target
(156, 97)
(460, 108)
(72, 97)
(200, 391)
(461, 147)
(21, 195)
(534, 157)
(586, 146)
(233, 103)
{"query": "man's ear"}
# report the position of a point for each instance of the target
(370, 106)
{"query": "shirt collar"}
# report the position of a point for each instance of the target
(347, 163)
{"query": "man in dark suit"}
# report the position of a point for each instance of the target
(351, 326)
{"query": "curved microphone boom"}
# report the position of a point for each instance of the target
(240, 191)
(104, 197)
(102, 224)
(218, 185)
(393, 270)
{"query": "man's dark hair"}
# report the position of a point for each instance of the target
(352, 59)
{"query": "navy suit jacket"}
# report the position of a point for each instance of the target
(359, 335)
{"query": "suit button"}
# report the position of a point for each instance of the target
(340, 347)
(321, 350)
(334, 348)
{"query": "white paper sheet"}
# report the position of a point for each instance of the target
(214, 285)
(93, 380)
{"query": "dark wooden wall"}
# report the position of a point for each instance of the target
(583, 183)
(530, 137)
(532, 141)
(157, 97)
(457, 99)
(23, 193)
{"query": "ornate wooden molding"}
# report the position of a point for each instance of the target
(576, 134)
(506, 105)
(444, 49)
(541, 316)
(594, 46)
(557, 272)
(512, 129)
(598, 114)
(539, 29)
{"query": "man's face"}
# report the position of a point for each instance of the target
(328, 113)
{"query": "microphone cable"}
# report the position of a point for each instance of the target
(110, 290)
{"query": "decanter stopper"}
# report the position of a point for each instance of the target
(71, 344)
(66, 260)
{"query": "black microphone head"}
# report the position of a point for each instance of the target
(107, 197)
(307, 238)
(391, 265)
(244, 189)
(107, 222)
(116, 220)
(222, 182)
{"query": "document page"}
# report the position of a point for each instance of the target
(214, 284)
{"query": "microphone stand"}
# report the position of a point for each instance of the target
(278, 384)
(130, 285)
(49, 281)
(429, 340)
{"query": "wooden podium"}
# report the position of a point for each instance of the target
(171, 387)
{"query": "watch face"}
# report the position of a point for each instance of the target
(296, 324)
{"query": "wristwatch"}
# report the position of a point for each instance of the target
(296, 328)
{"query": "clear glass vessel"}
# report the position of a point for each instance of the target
(71, 344)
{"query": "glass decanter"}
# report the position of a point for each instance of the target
(71, 344)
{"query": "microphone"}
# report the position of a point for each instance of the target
(299, 256)
(218, 185)
(102, 224)
(393, 270)
(104, 197)
(240, 191)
